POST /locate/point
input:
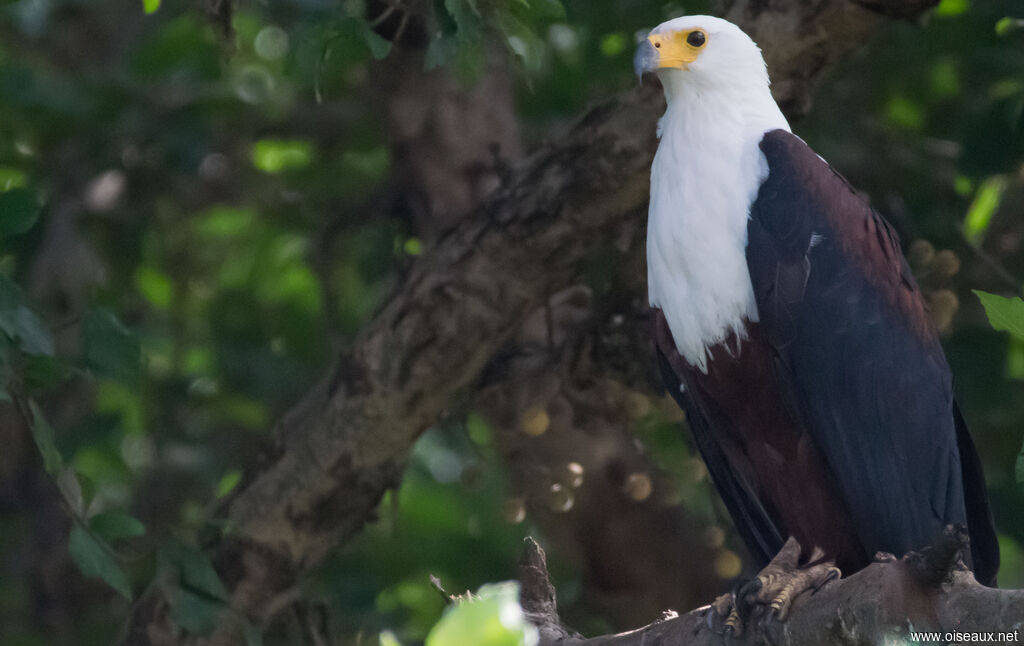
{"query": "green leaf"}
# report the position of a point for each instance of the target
(983, 207)
(155, 286)
(228, 482)
(20, 323)
(387, 638)
(379, 46)
(19, 210)
(522, 40)
(30, 331)
(197, 614)
(614, 44)
(280, 155)
(905, 113)
(948, 8)
(108, 348)
(479, 430)
(96, 560)
(43, 434)
(1015, 359)
(548, 9)
(1004, 314)
(195, 570)
(492, 618)
(413, 246)
(114, 525)
(1007, 25)
(466, 17)
(150, 6)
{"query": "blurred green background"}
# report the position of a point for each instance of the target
(197, 217)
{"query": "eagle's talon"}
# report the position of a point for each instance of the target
(771, 594)
(734, 624)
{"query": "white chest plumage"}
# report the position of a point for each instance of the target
(706, 175)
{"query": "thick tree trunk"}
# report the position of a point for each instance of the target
(337, 452)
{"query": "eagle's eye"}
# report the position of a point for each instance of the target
(696, 39)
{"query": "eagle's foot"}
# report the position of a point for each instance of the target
(775, 588)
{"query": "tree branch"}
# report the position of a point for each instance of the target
(881, 604)
(338, 451)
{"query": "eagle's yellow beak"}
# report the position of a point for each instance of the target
(669, 50)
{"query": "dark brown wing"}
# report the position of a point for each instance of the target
(867, 372)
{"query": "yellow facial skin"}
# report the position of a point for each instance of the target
(676, 49)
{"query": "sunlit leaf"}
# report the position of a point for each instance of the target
(96, 559)
(478, 429)
(387, 638)
(11, 177)
(983, 207)
(108, 348)
(944, 79)
(492, 618)
(280, 155)
(949, 8)
(150, 6)
(1007, 25)
(1004, 314)
(155, 286)
(614, 44)
(963, 185)
(19, 210)
(1015, 359)
(905, 113)
(413, 247)
(115, 525)
(228, 483)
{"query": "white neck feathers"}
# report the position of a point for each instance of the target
(705, 176)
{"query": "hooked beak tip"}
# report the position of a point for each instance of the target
(646, 57)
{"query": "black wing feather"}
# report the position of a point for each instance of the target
(753, 522)
(838, 303)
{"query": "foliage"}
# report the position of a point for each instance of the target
(1005, 314)
(491, 617)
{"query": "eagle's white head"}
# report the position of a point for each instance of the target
(702, 53)
(706, 173)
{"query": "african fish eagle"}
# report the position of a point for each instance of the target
(789, 327)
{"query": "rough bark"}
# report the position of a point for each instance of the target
(881, 604)
(340, 449)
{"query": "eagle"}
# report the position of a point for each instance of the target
(789, 327)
